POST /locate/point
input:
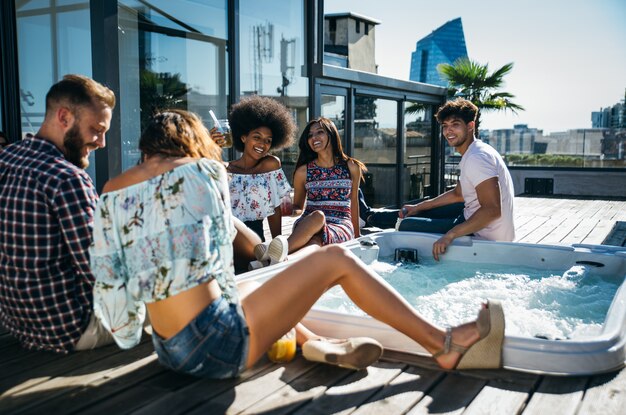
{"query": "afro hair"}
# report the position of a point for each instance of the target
(256, 111)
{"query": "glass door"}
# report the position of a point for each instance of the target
(333, 105)
(376, 145)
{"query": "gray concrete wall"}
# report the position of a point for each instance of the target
(576, 183)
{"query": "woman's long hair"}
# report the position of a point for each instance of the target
(177, 133)
(307, 154)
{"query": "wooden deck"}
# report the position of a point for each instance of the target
(111, 381)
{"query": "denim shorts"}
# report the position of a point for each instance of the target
(213, 345)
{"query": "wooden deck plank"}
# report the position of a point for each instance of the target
(605, 395)
(580, 232)
(606, 212)
(523, 232)
(136, 397)
(352, 391)
(7, 345)
(599, 232)
(38, 391)
(23, 362)
(542, 231)
(560, 232)
(450, 396)
(248, 393)
(499, 397)
(402, 393)
(100, 389)
(562, 395)
(617, 234)
(300, 391)
(163, 397)
(51, 368)
(521, 220)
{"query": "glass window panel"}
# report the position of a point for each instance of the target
(167, 69)
(46, 52)
(417, 154)
(272, 57)
(36, 69)
(375, 144)
(22, 5)
(334, 108)
(69, 2)
(203, 16)
(75, 35)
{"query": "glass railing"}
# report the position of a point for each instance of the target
(576, 148)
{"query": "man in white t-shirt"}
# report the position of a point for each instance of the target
(482, 201)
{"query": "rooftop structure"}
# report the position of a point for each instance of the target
(350, 41)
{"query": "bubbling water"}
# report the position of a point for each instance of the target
(545, 303)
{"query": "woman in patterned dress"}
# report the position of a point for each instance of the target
(326, 177)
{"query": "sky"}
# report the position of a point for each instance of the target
(569, 56)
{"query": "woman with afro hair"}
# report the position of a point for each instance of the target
(257, 181)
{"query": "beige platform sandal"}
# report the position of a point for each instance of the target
(486, 353)
(352, 353)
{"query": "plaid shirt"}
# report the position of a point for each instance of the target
(46, 217)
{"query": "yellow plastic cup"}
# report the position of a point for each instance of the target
(284, 349)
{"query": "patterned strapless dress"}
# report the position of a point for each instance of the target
(328, 189)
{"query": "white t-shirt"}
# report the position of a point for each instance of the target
(479, 163)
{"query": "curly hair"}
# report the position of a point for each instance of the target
(177, 133)
(256, 111)
(459, 108)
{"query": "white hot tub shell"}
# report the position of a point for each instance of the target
(602, 353)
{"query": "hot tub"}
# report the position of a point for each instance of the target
(602, 352)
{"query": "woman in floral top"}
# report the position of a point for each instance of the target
(256, 180)
(163, 236)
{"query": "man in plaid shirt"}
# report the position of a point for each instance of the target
(47, 202)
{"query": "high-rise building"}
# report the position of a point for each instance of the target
(445, 44)
(610, 117)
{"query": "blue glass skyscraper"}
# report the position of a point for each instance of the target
(444, 45)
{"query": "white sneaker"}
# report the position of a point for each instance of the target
(256, 265)
(261, 252)
(278, 249)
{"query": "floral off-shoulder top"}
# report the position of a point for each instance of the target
(255, 196)
(157, 238)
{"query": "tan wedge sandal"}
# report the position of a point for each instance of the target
(352, 353)
(486, 353)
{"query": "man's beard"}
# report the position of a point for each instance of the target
(74, 145)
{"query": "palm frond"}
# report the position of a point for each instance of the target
(472, 81)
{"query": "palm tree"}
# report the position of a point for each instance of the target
(160, 91)
(471, 80)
